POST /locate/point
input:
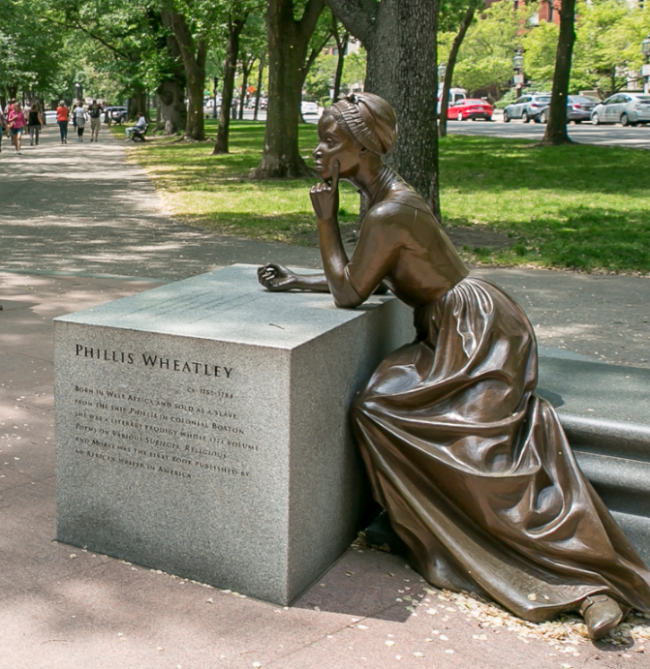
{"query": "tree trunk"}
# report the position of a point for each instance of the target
(449, 72)
(288, 40)
(258, 92)
(246, 67)
(171, 102)
(341, 42)
(194, 57)
(138, 105)
(556, 133)
(400, 39)
(171, 91)
(235, 27)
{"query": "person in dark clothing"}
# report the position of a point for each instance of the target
(35, 124)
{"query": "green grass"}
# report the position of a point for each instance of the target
(581, 207)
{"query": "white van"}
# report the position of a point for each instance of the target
(455, 94)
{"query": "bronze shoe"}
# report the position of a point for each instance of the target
(602, 614)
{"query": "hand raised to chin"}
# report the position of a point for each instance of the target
(325, 197)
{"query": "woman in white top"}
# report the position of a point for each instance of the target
(80, 117)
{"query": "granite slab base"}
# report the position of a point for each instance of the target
(201, 428)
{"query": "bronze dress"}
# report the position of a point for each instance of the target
(473, 468)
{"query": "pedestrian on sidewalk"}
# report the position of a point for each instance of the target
(80, 121)
(35, 124)
(17, 122)
(63, 120)
(95, 112)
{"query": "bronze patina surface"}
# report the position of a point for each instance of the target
(474, 469)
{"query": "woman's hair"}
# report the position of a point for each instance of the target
(34, 107)
(368, 119)
(61, 103)
(18, 106)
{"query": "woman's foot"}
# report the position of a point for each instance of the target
(602, 614)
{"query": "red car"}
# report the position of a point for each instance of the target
(468, 108)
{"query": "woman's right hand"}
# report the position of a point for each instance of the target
(276, 277)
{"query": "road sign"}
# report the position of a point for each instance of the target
(518, 79)
(645, 70)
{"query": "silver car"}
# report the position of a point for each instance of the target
(527, 107)
(623, 108)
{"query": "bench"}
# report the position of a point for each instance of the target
(138, 134)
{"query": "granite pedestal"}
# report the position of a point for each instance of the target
(201, 428)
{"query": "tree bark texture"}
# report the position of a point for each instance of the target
(288, 40)
(246, 67)
(341, 38)
(235, 27)
(400, 40)
(138, 105)
(451, 63)
(194, 58)
(258, 92)
(556, 133)
(171, 91)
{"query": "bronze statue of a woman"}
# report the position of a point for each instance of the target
(473, 468)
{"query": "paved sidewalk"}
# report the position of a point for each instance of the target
(72, 218)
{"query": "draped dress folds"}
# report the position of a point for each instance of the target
(475, 470)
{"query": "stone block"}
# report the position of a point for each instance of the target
(201, 428)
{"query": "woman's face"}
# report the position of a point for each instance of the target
(335, 145)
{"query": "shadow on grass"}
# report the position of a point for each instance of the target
(578, 237)
(474, 164)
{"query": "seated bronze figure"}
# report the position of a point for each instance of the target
(473, 468)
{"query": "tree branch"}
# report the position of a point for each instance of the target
(357, 16)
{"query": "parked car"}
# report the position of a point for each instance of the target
(115, 114)
(527, 107)
(455, 95)
(623, 108)
(50, 117)
(470, 109)
(307, 108)
(578, 109)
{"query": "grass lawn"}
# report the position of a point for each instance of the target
(581, 207)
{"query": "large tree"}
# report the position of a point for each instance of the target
(235, 23)
(400, 40)
(289, 31)
(555, 132)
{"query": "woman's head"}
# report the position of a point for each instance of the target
(357, 124)
(34, 107)
(61, 103)
(18, 106)
(368, 119)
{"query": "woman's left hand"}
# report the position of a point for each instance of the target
(325, 197)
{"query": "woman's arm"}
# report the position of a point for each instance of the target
(277, 278)
(352, 282)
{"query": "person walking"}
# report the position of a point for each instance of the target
(63, 120)
(35, 124)
(17, 122)
(95, 112)
(80, 121)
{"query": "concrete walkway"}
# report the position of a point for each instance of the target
(73, 220)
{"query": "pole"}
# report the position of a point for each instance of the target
(214, 109)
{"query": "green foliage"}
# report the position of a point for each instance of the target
(608, 44)
(30, 45)
(485, 58)
(540, 48)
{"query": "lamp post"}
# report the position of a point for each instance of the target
(214, 109)
(77, 91)
(442, 70)
(518, 67)
(645, 71)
